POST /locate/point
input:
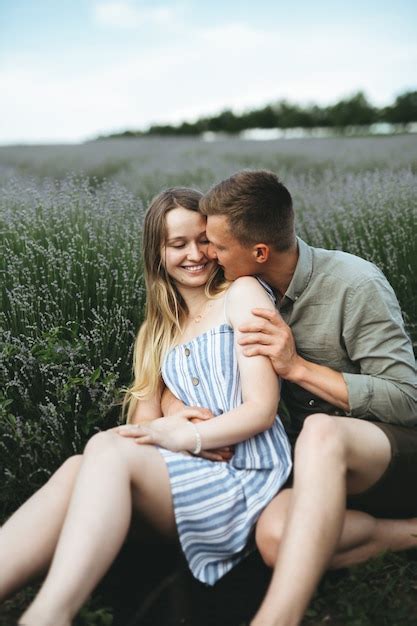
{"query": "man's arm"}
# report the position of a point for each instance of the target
(375, 339)
(272, 337)
(170, 404)
(147, 409)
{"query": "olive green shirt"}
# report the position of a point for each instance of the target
(344, 314)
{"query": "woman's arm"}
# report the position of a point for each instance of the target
(260, 387)
(260, 390)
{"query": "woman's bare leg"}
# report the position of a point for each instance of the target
(362, 538)
(29, 537)
(115, 474)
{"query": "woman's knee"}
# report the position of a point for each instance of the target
(67, 473)
(102, 442)
(112, 445)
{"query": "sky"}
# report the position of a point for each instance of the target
(75, 69)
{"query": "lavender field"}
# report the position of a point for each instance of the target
(72, 293)
(71, 279)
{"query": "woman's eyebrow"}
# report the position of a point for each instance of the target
(177, 237)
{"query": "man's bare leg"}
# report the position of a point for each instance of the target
(331, 455)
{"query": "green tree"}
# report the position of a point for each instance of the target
(403, 111)
(354, 111)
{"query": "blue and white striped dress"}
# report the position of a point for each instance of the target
(217, 504)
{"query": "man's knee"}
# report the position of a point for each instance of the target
(321, 435)
(270, 527)
(268, 537)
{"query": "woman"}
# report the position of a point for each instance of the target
(187, 343)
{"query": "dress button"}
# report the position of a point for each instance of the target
(195, 381)
(187, 352)
(311, 402)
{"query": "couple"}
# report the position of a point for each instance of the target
(215, 366)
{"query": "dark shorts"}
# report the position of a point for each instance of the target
(394, 495)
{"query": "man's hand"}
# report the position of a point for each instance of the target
(270, 336)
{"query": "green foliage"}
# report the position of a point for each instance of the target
(403, 111)
(72, 300)
(353, 111)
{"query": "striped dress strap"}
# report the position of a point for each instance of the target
(226, 296)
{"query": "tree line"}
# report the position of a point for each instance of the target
(353, 111)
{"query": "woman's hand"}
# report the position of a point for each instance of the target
(173, 432)
(198, 415)
(220, 454)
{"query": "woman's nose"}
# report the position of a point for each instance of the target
(196, 252)
(211, 253)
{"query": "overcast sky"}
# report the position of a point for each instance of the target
(73, 69)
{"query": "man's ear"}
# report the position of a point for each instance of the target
(261, 252)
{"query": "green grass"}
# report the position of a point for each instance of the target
(379, 593)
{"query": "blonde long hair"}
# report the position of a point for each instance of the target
(165, 309)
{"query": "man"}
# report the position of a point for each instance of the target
(349, 384)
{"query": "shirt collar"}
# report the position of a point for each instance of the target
(303, 271)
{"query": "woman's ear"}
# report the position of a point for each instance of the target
(261, 252)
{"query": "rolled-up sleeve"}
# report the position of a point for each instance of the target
(385, 387)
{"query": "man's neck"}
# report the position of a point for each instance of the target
(280, 269)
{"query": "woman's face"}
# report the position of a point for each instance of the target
(184, 253)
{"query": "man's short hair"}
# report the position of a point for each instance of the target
(258, 208)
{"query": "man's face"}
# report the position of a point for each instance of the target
(236, 259)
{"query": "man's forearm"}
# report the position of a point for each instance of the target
(321, 381)
(391, 401)
(170, 403)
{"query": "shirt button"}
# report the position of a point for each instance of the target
(311, 402)
(195, 381)
(187, 352)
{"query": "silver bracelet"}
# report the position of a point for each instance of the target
(197, 448)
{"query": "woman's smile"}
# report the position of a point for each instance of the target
(194, 269)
